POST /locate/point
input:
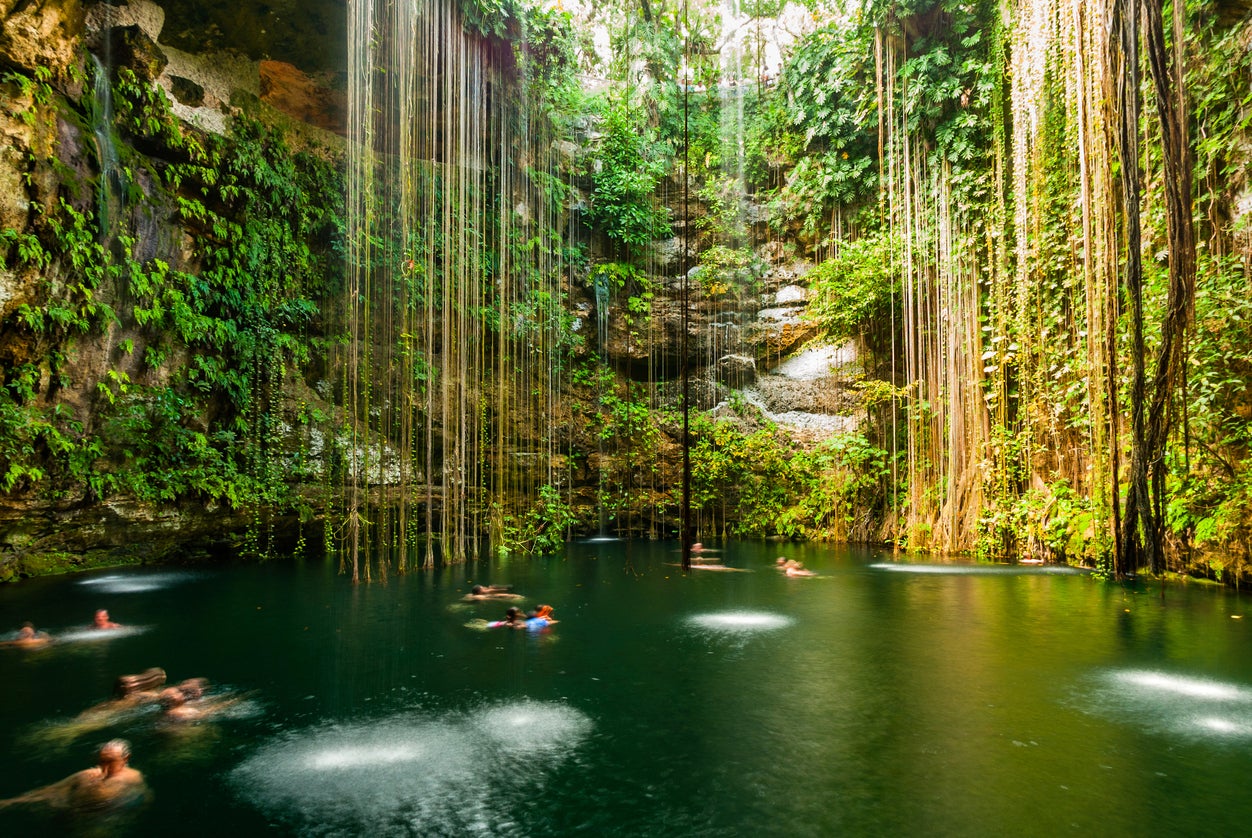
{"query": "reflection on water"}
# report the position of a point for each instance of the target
(432, 775)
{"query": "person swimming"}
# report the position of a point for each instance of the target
(541, 618)
(488, 592)
(129, 693)
(101, 621)
(132, 695)
(187, 702)
(193, 688)
(513, 618)
(791, 567)
(137, 689)
(29, 638)
(112, 783)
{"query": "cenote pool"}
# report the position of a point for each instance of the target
(880, 698)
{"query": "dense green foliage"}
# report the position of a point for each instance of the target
(629, 166)
(854, 291)
(199, 414)
(758, 484)
(883, 153)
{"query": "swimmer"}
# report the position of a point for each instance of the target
(791, 567)
(193, 688)
(540, 617)
(485, 592)
(112, 783)
(129, 692)
(28, 638)
(700, 553)
(102, 621)
(186, 702)
(513, 618)
(132, 694)
(138, 689)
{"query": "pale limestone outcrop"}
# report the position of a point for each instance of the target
(40, 34)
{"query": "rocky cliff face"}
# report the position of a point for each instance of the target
(57, 163)
(285, 62)
(43, 34)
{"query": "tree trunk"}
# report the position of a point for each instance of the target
(1125, 58)
(1176, 153)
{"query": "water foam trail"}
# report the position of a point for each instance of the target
(451, 774)
(1182, 685)
(1172, 704)
(94, 635)
(977, 570)
(118, 583)
(739, 621)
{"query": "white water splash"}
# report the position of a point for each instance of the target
(1171, 704)
(94, 635)
(358, 756)
(978, 570)
(136, 583)
(740, 621)
(1162, 682)
(829, 422)
(453, 774)
(530, 726)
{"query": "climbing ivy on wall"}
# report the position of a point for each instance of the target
(200, 414)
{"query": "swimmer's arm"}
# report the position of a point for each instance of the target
(57, 792)
(222, 702)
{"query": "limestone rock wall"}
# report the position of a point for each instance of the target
(48, 154)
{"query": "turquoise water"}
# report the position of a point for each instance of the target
(880, 698)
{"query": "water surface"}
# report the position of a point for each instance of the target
(879, 698)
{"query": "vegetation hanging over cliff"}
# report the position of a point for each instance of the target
(166, 308)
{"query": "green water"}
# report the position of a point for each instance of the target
(876, 699)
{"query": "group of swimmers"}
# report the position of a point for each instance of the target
(514, 617)
(702, 558)
(28, 637)
(188, 701)
(112, 783)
